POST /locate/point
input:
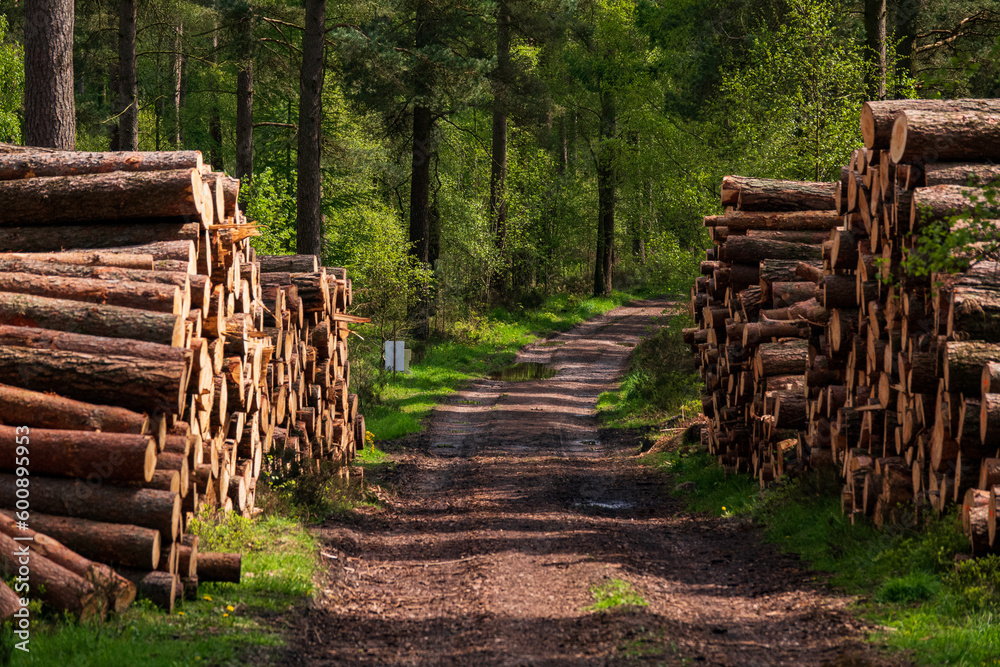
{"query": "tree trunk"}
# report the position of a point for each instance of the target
(91, 319)
(94, 197)
(213, 566)
(49, 107)
(765, 194)
(933, 136)
(878, 117)
(152, 385)
(907, 12)
(875, 43)
(309, 214)
(942, 201)
(963, 365)
(57, 586)
(178, 84)
(10, 602)
(975, 313)
(144, 296)
(786, 357)
(976, 175)
(15, 166)
(606, 176)
(149, 508)
(91, 237)
(420, 183)
(747, 249)
(116, 457)
(738, 221)
(127, 109)
(244, 122)
(498, 170)
(214, 117)
(43, 410)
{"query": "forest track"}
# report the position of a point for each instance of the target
(511, 507)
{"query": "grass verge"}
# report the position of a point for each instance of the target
(660, 381)
(615, 593)
(905, 577)
(474, 348)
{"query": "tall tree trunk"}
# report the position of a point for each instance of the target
(907, 13)
(49, 107)
(127, 109)
(214, 119)
(420, 183)
(178, 83)
(498, 171)
(605, 196)
(244, 98)
(876, 48)
(244, 121)
(309, 220)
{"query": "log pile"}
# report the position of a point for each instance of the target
(149, 361)
(810, 359)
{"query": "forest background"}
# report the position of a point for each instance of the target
(459, 155)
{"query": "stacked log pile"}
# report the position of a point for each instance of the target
(149, 361)
(811, 359)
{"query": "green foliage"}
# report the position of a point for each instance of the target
(613, 594)
(793, 110)
(270, 203)
(11, 86)
(955, 243)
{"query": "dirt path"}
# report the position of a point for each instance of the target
(510, 508)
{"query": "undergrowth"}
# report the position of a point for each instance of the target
(615, 593)
(905, 578)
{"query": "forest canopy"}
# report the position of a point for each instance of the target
(480, 152)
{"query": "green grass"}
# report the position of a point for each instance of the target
(225, 625)
(474, 349)
(905, 578)
(660, 381)
(614, 593)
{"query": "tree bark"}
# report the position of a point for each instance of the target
(788, 220)
(10, 602)
(942, 201)
(950, 173)
(244, 121)
(145, 296)
(43, 410)
(747, 249)
(782, 358)
(215, 566)
(91, 237)
(288, 263)
(764, 194)
(127, 108)
(956, 136)
(878, 117)
(875, 43)
(907, 12)
(49, 106)
(309, 214)
(606, 182)
(963, 365)
(116, 457)
(91, 319)
(93, 197)
(76, 163)
(975, 313)
(57, 586)
(149, 508)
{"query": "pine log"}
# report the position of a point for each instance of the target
(786, 293)
(10, 602)
(878, 117)
(948, 136)
(30, 408)
(76, 163)
(116, 457)
(755, 333)
(762, 194)
(776, 220)
(963, 365)
(198, 285)
(91, 319)
(942, 201)
(93, 197)
(96, 236)
(57, 586)
(145, 296)
(839, 291)
(160, 510)
(153, 385)
(786, 357)
(974, 313)
(87, 258)
(217, 566)
(807, 236)
(160, 588)
(951, 173)
(288, 263)
(747, 249)
(979, 535)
